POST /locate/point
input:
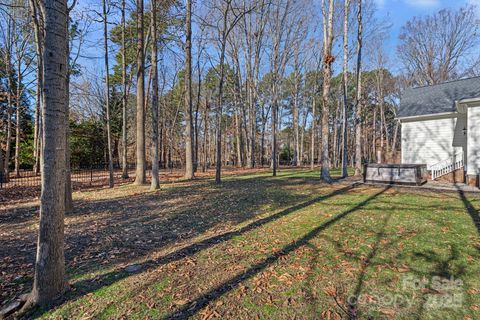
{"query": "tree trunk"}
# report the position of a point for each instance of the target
(107, 95)
(68, 176)
(155, 185)
(50, 281)
(274, 131)
(205, 136)
(197, 109)
(302, 135)
(312, 138)
(238, 139)
(124, 98)
(335, 137)
(295, 113)
(345, 91)
(218, 158)
(38, 95)
(140, 177)
(327, 74)
(18, 119)
(189, 173)
(358, 104)
(9, 116)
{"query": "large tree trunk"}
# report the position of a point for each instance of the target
(189, 172)
(124, 98)
(107, 95)
(327, 74)
(154, 149)
(345, 91)
(50, 281)
(358, 103)
(140, 177)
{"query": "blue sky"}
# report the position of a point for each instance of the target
(395, 12)
(398, 12)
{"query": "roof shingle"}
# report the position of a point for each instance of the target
(439, 98)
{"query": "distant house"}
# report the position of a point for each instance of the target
(441, 127)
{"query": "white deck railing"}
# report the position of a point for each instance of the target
(446, 166)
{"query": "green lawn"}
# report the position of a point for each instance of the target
(288, 247)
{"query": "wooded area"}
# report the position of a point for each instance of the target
(206, 84)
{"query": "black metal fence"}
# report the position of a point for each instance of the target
(97, 175)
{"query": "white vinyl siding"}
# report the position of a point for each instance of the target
(473, 158)
(430, 141)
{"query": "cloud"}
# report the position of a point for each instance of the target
(423, 3)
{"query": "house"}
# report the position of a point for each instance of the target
(441, 128)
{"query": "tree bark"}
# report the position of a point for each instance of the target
(107, 94)
(9, 114)
(327, 74)
(295, 120)
(358, 104)
(274, 129)
(38, 94)
(124, 98)
(312, 128)
(18, 118)
(50, 281)
(189, 154)
(155, 184)
(345, 91)
(140, 177)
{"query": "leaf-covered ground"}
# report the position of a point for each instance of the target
(258, 247)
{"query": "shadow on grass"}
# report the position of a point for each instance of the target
(442, 268)
(352, 310)
(86, 286)
(472, 212)
(196, 305)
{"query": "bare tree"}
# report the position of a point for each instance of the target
(21, 42)
(107, 92)
(358, 103)
(435, 48)
(345, 90)
(7, 35)
(230, 16)
(327, 74)
(124, 95)
(50, 280)
(189, 153)
(140, 177)
(155, 184)
(280, 36)
(254, 31)
(37, 21)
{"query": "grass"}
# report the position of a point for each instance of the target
(276, 248)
